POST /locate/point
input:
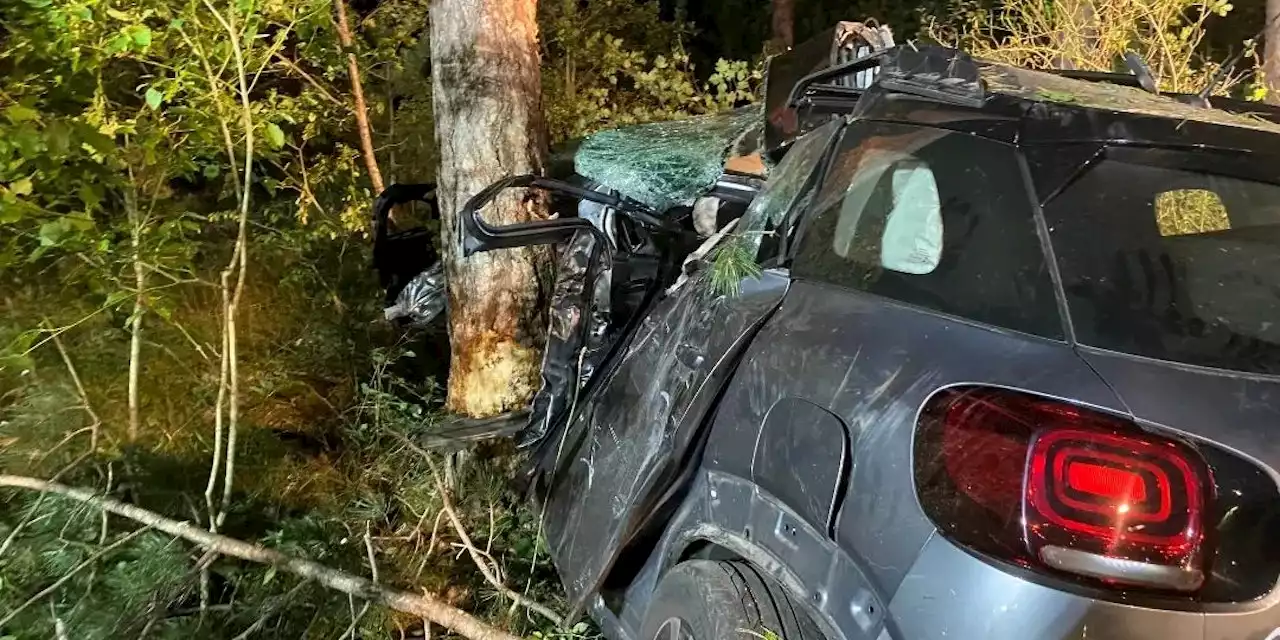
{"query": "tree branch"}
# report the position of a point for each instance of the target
(84, 397)
(425, 606)
(476, 554)
(293, 66)
(239, 263)
(357, 94)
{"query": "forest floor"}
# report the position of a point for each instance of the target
(323, 471)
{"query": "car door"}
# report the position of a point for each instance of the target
(626, 444)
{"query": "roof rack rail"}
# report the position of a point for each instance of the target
(939, 73)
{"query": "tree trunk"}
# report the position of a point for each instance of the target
(784, 13)
(1271, 55)
(1077, 38)
(488, 113)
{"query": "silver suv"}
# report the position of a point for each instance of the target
(1000, 362)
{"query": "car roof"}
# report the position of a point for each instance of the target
(946, 87)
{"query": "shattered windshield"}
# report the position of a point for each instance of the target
(1172, 263)
(667, 164)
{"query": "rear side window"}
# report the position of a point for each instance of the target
(932, 218)
(1172, 263)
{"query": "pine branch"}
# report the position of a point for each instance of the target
(276, 606)
(425, 606)
(731, 263)
(70, 574)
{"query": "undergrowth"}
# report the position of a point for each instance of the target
(321, 463)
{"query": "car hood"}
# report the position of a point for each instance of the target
(1238, 411)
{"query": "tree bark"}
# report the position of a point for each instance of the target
(425, 605)
(357, 95)
(489, 124)
(1077, 40)
(1271, 54)
(784, 13)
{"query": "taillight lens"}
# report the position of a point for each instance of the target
(1056, 487)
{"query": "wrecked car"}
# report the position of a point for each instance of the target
(1004, 364)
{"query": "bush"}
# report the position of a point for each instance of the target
(1084, 34)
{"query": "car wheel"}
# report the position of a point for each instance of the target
(716, 600)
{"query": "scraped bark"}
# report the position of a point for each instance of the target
(1271, 53)
(487, 109)
(425, 606)
(357, 96)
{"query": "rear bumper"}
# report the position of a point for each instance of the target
(951, 594)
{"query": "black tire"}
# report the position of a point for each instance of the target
(717, 600)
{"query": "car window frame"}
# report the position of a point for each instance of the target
(804, 219)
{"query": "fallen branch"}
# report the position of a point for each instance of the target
(477, 555)
(424, 606)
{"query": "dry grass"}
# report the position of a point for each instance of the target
(1189, 211)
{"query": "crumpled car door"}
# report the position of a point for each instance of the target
(625, 446)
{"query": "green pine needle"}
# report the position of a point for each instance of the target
(731, 263)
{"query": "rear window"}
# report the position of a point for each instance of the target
(1167, 262)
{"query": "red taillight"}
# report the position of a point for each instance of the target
(1109, 483)
(1050, 485)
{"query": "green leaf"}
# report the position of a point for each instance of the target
(154, 98)
(79, 222)
(57, 136)
(21, 186)
(119, 15)
(52, 233)
(97, 141)
(90, 194)
(275, 137)
(142, 36)
(119, 43)
(10, 212)
(211, 171)
(17, 113)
